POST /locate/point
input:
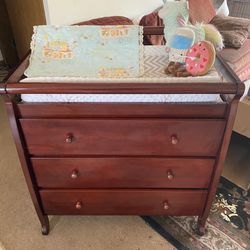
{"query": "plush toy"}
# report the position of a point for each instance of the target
(177, 69)
(214, 36)
(180, 42)
(200, 58)
(183, 39)
(173, 13)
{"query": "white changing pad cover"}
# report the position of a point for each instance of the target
(155, 61)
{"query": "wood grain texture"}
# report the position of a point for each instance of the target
(24, 14)
(160, 110)
(120, 88)
(123, 136)
(25, 164)
(122, 172)
(17, 72)
(219, 163)
(123, 202)
(6, 37)
(154, 30)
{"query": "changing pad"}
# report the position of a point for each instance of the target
(155, 61)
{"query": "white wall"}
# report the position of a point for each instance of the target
(73, 11)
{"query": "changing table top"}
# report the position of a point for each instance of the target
(221, 80)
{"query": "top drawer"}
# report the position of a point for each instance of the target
(173, 137)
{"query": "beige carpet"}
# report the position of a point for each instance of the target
(20, 228)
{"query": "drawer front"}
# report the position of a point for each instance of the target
(123, 202)
(122, 172)
(122, 137)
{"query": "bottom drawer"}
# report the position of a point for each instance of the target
(123, 202)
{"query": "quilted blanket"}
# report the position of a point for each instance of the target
(86, 51)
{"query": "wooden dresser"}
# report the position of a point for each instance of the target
(121, 166)
(122, 158)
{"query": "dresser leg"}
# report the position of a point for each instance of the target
(25, 162)
(200, 230)
(45, 225)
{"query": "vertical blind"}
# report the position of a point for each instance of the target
(239, 8)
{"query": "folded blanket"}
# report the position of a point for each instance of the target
(86, 51)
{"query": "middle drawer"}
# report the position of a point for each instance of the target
(122, 172)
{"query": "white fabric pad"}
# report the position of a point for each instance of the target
(155, 60)
(120, 98)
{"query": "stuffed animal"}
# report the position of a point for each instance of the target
(200, 58)
(173, 13)
(214, 36)
(183, 39)
(180, 42)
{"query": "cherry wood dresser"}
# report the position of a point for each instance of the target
(122, 158)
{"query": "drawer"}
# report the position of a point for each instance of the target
(122, 172)
(123, 202)
(62, 137)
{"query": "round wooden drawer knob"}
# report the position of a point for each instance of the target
(69, 138)
(170, 175)
(78, 205)
(166, 205)
(174, 139)
(75, 174)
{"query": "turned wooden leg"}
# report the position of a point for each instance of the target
(200, 230)
(45, 225)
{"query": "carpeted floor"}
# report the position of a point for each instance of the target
(20, 228)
